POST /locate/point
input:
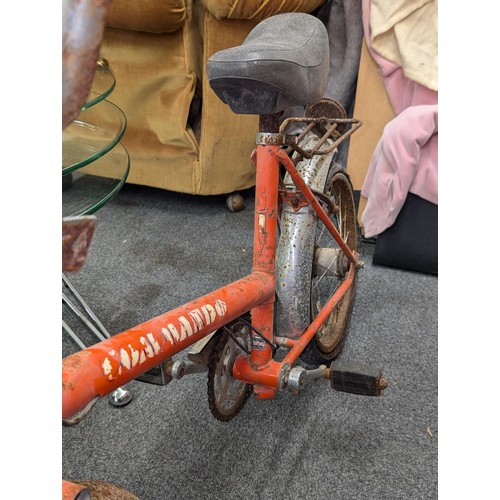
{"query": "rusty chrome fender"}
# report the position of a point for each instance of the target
(297, 233)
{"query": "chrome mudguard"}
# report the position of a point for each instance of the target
(295, 250)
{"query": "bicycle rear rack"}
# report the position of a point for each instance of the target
(325, 128)
(328, 120)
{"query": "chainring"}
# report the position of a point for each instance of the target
(227, 395)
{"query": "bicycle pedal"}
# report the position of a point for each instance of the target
(158, 375)
(356, 379)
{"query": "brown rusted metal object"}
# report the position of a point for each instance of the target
(294, 198)
(297, 200)
(328, 108)
(73, 491)
(328, 120)
(77, 234)
(83, 23)
(101, 490)
(330, 127)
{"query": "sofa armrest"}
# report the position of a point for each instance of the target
(257, 10)
(151, 16)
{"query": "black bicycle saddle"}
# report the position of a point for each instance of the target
(284, 61)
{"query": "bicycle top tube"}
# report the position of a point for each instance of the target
(283, 62)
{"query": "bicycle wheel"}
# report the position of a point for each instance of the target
(329, 269)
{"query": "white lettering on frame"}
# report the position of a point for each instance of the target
(184, 327)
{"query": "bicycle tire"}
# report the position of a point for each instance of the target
(328, 342)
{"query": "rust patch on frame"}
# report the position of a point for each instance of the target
(86, 374)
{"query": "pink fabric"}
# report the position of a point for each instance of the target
(401, 163)
(406, 157)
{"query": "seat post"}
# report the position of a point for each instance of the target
(265, 230)
(269, 123)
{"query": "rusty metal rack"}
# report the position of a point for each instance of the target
(327, 129)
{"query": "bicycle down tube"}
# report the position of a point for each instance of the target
(103, 367)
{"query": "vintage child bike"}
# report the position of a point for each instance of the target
(281, 327)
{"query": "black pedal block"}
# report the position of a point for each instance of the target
(158, 375)
(356, 379)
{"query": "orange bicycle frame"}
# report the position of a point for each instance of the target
(98, 370)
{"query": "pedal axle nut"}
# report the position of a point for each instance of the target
(297, 378)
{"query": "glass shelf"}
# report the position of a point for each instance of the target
(97, 130)
(84, 191)
(102, 85)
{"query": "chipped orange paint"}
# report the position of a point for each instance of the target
(265, 232)
(100, 369)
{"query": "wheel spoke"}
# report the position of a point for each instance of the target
(320, 278)
(324, 232)
(328, 295)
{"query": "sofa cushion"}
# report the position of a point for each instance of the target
(257, 9)
(155, 85)
(152, 16)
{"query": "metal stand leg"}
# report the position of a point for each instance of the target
(120, 396)
(73, 335)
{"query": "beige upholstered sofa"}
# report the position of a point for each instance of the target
(180, 136)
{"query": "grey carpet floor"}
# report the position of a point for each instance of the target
(154, 250)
